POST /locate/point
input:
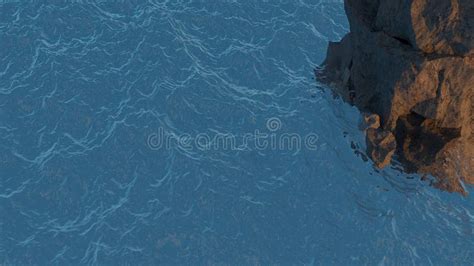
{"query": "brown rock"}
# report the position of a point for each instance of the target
(442, 27)
(370, 121)
(381, 146)
(412, 63)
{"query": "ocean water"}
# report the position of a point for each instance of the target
(144, 133)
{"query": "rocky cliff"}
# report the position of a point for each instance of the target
(410, 65)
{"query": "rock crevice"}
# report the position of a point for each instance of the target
(411, 62)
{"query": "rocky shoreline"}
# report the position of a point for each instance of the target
(409, 65)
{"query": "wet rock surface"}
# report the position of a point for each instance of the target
(412, 64)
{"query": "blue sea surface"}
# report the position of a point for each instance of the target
(89, 91)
